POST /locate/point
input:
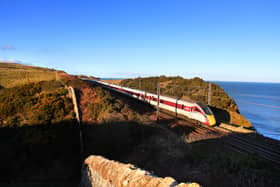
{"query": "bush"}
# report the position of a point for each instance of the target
(35, 103)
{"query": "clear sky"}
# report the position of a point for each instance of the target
(237, 40)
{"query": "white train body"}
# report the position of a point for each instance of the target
(192, 110)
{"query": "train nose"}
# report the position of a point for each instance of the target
(211, 119)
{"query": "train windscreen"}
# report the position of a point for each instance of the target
(205, 108)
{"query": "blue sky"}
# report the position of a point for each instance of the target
(227, 40)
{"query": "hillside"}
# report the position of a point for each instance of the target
(34, 104)
(39, 136)
(18, 74)
(30, 95)
(194, 89)
(34, 95)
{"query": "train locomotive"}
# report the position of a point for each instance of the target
(197, 111)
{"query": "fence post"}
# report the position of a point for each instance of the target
(158, 93)
(209, 93)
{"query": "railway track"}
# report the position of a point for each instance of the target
(239, 142)
(254, 147)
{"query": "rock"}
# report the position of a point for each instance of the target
(106, 173)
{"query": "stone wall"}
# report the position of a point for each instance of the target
(101, 172)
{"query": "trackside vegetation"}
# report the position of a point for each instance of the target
(97, 105)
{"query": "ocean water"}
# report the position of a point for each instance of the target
(259, 103)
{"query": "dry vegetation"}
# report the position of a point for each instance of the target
(34, 104)
(99, 106)
(31, 96)
(17, 74)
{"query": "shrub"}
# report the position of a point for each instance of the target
(36, 103)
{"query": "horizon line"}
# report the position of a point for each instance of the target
(123, 78)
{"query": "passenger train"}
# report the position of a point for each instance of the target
(197, 111)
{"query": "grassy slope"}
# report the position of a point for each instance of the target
(39, 137)
(30, 95)
(190, 89)
(17, 74)
(35, 103)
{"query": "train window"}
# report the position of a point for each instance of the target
(205, 108)
(195, 109)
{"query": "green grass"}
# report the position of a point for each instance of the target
(16, 74)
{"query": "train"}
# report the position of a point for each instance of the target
(194, 110)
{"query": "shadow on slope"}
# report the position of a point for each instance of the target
(42, 155)
(159, 150)
(151, 148)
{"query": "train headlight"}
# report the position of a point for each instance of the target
(211, 119)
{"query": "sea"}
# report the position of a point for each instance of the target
(259, 103)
